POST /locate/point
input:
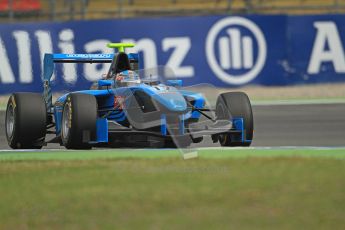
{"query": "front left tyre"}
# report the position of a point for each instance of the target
(79, 116)
(26, 120)
(235, 104)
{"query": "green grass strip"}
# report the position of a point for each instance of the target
(162, 153)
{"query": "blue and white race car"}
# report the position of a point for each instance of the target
(127, 107)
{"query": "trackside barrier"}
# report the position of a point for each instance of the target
(224, 51)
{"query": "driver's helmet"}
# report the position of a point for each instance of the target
(127, 78)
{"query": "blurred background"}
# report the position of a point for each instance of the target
(302, 42)
(62, 10)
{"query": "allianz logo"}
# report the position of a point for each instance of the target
(235, 50)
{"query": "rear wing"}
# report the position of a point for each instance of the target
(50, 59)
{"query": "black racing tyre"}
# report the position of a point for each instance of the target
(26, 121)
(78, 126)
(235, 104)
(198, 139)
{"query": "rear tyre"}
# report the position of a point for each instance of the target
(78, 126)
(25, 122)
(235, 104)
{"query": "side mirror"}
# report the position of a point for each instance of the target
(174, 83)
(104, 83)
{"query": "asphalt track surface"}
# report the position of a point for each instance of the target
(279, 125)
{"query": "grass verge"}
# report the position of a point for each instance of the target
(153, 189)
(170, 153)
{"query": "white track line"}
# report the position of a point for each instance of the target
(276, 148)
(201, 148)
(299, 102)
(32, 150)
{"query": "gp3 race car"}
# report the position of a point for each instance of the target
(127, 107)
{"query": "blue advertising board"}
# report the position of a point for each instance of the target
(225, 51)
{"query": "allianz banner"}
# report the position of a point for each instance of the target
(226, 51)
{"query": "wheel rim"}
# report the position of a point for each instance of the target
(10, 121)
(65, 121)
